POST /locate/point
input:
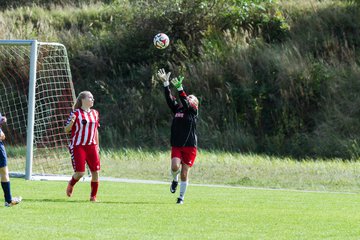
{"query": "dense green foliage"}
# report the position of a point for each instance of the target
(274, 77)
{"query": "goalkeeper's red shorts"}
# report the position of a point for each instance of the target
(186, 154)
(83, 154)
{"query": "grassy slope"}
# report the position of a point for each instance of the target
(139, 211)
(81, 28)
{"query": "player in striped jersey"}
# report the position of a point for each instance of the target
(83, 124)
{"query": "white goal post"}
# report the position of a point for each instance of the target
(36, 96)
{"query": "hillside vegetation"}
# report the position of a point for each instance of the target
(275, 77)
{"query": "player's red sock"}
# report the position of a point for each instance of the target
(73, 181)
(94, 188)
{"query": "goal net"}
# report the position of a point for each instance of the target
(36, 97)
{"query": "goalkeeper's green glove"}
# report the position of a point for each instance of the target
(178, 83)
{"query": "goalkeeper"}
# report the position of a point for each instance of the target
(183, 132)
(4, 171)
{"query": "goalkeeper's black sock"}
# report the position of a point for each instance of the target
(7, 193)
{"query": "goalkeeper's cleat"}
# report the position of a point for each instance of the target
(14, 201)
(69, 190)
(179, 201)
(93, 199)
(173, 186)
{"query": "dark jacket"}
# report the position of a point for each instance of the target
(183, 127)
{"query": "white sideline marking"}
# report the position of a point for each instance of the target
(126, 180)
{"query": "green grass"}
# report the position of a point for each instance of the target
(146, 211)
(224, 168)
(238, 169)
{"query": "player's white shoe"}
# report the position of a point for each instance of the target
(14, 201)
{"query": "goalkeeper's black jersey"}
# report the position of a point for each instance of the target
(183, 127)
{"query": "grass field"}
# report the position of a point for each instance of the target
(225, 168)
(238, 169)
(148, 211)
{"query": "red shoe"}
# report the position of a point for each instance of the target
(93, 199)
(69, 190)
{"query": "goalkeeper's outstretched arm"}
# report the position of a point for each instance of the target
(170, 99)
(188, 102)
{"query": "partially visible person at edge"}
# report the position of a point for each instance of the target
(83, 124)
(4, 171)
(183, 133)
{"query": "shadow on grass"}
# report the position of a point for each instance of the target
(58, 200)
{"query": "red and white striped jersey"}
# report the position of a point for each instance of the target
(84, 130)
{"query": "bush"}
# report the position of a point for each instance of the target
(265, 82)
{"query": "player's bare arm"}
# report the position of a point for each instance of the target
(71, 123)
(2, 136)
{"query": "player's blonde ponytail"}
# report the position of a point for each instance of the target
(81, 96)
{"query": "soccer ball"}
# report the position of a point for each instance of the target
(161, 41)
